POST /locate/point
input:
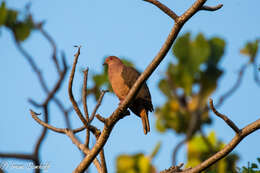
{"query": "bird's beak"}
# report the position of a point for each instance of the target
(105, 63)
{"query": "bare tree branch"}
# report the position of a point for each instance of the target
(164, 8)
(52, 43)
(74, 103)
(56, 87)
(256, 73)
(103, 92)
(234, 87)
(100, 118)
(83, 148)
(224, 117)
(84, 94)
(111, 121)
(55, 129)
(44, 132)
(209, 8)
(228, 148)
(176, 149)
(17, 156)
(85, 106)
(103, 161)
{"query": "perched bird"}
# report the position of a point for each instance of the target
(122, 78)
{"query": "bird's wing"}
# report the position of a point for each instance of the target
(130, 75)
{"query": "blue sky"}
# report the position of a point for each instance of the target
(126, 28)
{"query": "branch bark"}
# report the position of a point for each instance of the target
(224, 117)
(111, 121)
(228, 148)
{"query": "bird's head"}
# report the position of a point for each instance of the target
(112, 60)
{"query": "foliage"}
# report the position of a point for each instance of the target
(187, 85)
(189, 82)
(200, 148)
(137, 163)
(251, 168)
(20, 24)
(250, 50)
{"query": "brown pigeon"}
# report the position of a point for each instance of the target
(122, 78)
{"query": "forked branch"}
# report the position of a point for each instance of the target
(112, 119)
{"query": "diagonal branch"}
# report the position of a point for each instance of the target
(103, 92)
(55, 129)
(82, 147)
(224, 117)
(234, 87)
(112, 120)
(56, 87)
(164, 8)
(228, 148)
(52, 43)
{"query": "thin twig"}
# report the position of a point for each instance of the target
(39, 75)
(256, 73)
(82, 147)
(84, 94)
(176, 149)
(164, 8)
(52, 43)
(209, 8)
(103, 92)
(85, 106)
(56, 87)
(234, 87)
(114, 118)
(55, 129)
(100, 118)
(44, 132)
(17, 156)
(224, 117)
(74, 103)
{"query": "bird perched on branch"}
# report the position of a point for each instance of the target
(122, 78)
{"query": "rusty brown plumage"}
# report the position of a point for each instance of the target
(122, 78)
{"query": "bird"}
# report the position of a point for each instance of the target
(122, 78)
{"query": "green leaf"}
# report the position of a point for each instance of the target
(253, 165)
(143, 164)
(100, 79)
(250, 50)
(258, 159)
(22, 31)
(164, 87)
(159, 126)
(217, 48)
(3, 13)
(124, 162)
(199, 52)
(181, 48)
(11, 18)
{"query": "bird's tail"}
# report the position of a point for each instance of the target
(145, 121)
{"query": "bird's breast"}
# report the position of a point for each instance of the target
(117, 82)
